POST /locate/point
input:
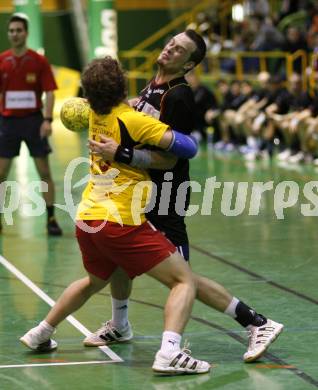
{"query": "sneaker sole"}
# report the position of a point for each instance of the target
(23, 341)
(102, 344)
(255, 357)
(181, 371)
(39, 349)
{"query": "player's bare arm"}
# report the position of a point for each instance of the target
(142, 158)
(180, 145)
(46, 127)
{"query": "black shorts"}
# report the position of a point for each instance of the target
(14, 130)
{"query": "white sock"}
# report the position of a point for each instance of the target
(230, 310)
(45, 329)
(119, 313)
(170, 342)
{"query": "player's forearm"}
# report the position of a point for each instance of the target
(246, 106)
(49, 104)
(259, 105)
(178, 144)
(144, 158)
(302, 115)
(150, 159)
(272, 109)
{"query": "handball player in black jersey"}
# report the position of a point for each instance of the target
(172, 102)
(168, 97)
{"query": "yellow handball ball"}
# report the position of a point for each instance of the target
(75, 114)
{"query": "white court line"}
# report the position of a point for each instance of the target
(24, 279)
(56, 364)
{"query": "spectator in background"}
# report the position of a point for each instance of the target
(249, 111)
(295, 41)
(279, 103)
(307, 127)
(311, 8)
(212, 115)
(231, 101)
(312, 33)
(288, 124)
(204, 100)
(308, 132)
(288, 7)
(314, 63)
(256, 8)
(260, 128)
(231, 116)
(212, 42)
(240, 42)
(268, 37)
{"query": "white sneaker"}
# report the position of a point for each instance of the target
(264, 155)
(308, 158)
(260, 338)
(108, 334)
(35, 340)
(283, 156)
(219, 145)
(296, 158)
(251, 156)
(179, 362)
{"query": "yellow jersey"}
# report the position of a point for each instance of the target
(117, 192)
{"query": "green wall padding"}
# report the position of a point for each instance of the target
(135, 26)
(59, 37)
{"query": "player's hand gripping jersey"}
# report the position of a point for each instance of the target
(110, 192)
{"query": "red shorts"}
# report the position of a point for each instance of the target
(136, 249)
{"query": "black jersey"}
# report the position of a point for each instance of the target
(172, 103)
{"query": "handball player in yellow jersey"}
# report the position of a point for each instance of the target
(109, 230)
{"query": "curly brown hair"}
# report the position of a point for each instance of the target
(104, 84)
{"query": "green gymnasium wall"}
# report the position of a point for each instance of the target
(135, 26)
(59, 38)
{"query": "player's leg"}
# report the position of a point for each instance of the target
(174, 273)
(120, 287)
(143, 249)
(40, 149)
(99, 269)
(212, 293)
(43, 168)
(5, 164)
(9, 148)
(261, 330)
(118, 329)
(73, 297)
